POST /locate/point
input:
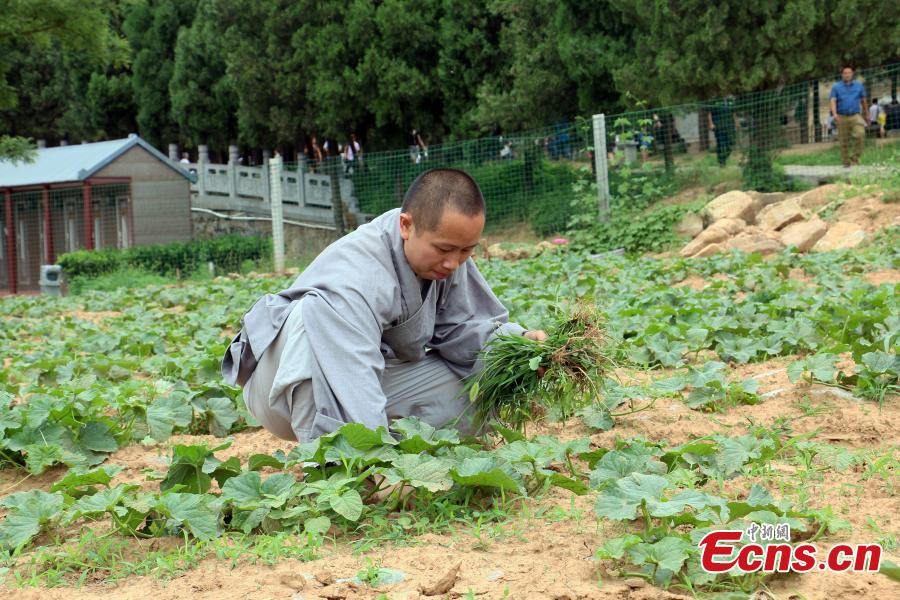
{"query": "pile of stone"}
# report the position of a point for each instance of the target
(512, 251)
(768, 223)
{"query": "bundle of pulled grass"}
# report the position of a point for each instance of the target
(522, 380)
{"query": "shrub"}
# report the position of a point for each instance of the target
(636, 232)
(227, 253)
(635, 223)
(91, 263)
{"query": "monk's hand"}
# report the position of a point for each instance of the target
(537, 335)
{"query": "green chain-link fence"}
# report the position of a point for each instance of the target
(759, 140)
(768, 135)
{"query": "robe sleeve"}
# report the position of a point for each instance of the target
(468, 315)
(346, 340)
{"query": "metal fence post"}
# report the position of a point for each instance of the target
(277, 212)
(337, 203)
(302, 170)
(601, 166)
(202, 162)
(267, 181)
(232, 172)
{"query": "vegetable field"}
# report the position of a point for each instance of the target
(745, 390)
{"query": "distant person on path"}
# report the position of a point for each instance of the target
(418, 151)
(878, 118)
(506, 151)
(383, 324)
(316, 152)
(357, 150)
(348, 157)
(874, 112)
(185, 158)
(882, 122)
(848, 106)
(722, 123)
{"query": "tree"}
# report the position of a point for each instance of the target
(531, 87)
(28, 28)
(257, 38)
(152, 28)
(449, 68)
(469, 51)
(204, 103)
(47, 92)
(329, 67)
(694, 50)
(555, 57)
(110, 103)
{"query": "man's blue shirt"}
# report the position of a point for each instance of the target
(848, 96)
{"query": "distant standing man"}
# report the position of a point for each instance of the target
(848, 106)
(722, 123)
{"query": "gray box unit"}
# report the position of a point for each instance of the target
(51, 280)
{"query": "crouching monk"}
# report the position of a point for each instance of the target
(383, 324)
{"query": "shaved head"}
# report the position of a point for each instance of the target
(436, 190)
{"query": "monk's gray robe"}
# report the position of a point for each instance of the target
(364, 305)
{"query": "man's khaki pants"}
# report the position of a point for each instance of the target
(851, 126)
(279, 393)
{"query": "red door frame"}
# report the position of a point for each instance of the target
(48, 228)
(88, 212)
(11, 258)
(88, 216)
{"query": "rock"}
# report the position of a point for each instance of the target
(729, 226)
(754, 240)
(803, 235)
(709, 250)
(294, 582)
(731, 205)
(818, 197)
(764, 199)
(691, 225)
(840, 236)
(444, 584)
(715, 233)
(516, 252)
(779, 215)
(635, 583)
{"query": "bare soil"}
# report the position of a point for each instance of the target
(534, 556)
(546, 550)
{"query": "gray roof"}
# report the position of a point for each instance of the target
(76, 163)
